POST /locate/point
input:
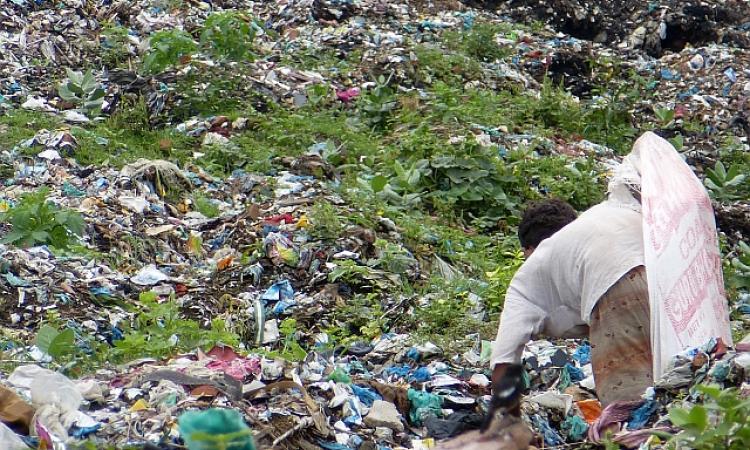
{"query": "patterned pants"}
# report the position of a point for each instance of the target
(620, 337)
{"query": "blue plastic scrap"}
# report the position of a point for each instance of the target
(82, 432)
(668, 75)
(333, 446)
(575, 427)
(421, 375)
(730, 74)
(582, 355)
(551, 437)
(282, 292)
(640, 416)
(575, 373)
(365, 395)
(16, 281)
(720, 371)
(355, 416)
(413, 354)
(399, 371)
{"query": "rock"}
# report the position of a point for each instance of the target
(384, 414)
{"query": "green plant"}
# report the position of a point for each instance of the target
(326, 221)
(434, 64)
(499, 280)
(723, 183)
(114, 48)
(158, 331)
(721, 422)
(35, 220)
(479, 42)
(348, 271)
(392, 258)
(740, 264)
(131, 116)
(665, 116)
(55, 343)
(204, 205)
(291, 350)
(361, 318)
(377, 105)
(404, 187)
(228, 35)
(474, 185)
(168, 48)
(82, 90)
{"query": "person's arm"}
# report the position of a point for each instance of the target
(519, 322)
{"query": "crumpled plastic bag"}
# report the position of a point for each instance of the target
(55, 397)
(206, 430)
(10, 440)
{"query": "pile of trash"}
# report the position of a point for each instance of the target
(259, 263)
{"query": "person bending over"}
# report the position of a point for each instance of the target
(583, 276)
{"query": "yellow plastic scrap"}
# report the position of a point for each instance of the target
(303, 222)
(423, 444)
(140, 405)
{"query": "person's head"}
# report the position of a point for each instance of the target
(541, 220)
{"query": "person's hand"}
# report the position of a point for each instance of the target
(507, 390)
(497, 373)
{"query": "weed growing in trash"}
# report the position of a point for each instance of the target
(18, 125)
(158, 331)
(724, 183)
(83, 90)
(325, 220)
(360, 318)
(453, 69)
(720, 422)
(113, 49)
(479, 41)
(204, 205)
(36, 220)
(740, 267)
(168, 48)
(291, 349)
(228, 35)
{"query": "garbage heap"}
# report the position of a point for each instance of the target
(266, 272)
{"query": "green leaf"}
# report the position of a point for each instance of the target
(721, 170)
(378, 183)
(66, 94)
(63, 344)
(712, 391)
(12, 237)
(736, 180)
(44, 338)
(698, 418)
(88, 83)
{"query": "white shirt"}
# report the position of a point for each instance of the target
(555, 290)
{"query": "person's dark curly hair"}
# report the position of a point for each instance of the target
(543, 219)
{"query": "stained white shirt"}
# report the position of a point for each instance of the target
(557, 287)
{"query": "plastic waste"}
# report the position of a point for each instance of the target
(10, 440)
(575, 427)
(215, 428)
(423, 404)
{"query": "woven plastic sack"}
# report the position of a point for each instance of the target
(683, 263)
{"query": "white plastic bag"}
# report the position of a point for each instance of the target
(10, 440)
(683, 263)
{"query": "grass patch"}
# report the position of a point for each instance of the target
(18, 125)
